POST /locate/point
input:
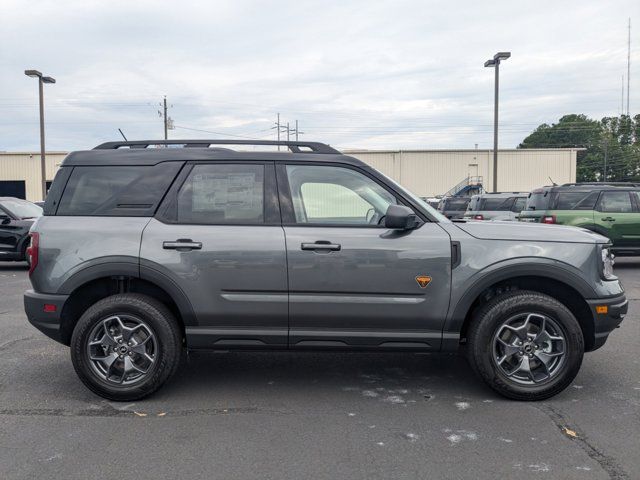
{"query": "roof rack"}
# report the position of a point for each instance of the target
(601, 184)
(296, 147)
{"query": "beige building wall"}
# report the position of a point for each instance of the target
(25, 166)
(434, 172)
(424, 172)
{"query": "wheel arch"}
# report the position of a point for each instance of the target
(86, 288)
(557, 282)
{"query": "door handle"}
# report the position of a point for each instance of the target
(608, 219)
(182, 244)
(321, 245)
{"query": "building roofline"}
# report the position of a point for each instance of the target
(456, 150)
(4, 152)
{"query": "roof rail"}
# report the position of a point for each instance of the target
(296, 147)
(601, 184)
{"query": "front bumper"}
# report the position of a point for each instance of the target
(48, 322)
(605, 323)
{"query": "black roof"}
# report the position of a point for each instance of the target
(589, 186)
(141, 152)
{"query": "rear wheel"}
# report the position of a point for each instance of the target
(525, 345)
(126, 346)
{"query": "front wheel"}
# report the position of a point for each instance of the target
(525, 345)
(126, 346)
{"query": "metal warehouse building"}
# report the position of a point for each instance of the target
(435, 172)
(424, 172)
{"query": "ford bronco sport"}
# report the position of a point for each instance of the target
(610, 209)
(144, 252)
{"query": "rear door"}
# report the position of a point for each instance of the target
(218, 238)
(617, 214)
(352, 282)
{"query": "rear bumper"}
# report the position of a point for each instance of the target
(11, 256)
(605, 323)
(48, 322)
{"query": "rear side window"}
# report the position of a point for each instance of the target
(222, 194)
(127, 191)
(519, 204)
(575, 200)
(615, 202)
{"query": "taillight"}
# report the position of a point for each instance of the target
(478, 217)
(549, 219)
(32, 251)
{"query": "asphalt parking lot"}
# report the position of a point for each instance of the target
(310, 415)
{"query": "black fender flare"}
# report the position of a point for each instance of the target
(129, 267)
(514, 268)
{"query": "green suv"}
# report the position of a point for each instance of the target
(611, 209)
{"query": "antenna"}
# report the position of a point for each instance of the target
(125, 138)
(622, 99)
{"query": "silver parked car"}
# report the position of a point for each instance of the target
(496, 206)
(143, 252)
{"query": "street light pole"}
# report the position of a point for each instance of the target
(495, 63)
(43, 165)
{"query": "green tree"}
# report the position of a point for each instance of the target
(613, 138)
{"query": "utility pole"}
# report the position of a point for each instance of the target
(622, 99)
(165, 118)
(604, 177)
(278, 130)
(296, 130)
(628, 66)
(288, 131)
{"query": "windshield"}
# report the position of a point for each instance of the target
(424, 205)
(22, 208)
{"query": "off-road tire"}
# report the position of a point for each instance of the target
(165, 328)
(484, 325)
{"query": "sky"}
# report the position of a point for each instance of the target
(355, 74)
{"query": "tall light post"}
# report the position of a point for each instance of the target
(41, 81)
(495, 63)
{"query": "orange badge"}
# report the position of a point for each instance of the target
(423, 280)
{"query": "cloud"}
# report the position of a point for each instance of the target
(390, 74)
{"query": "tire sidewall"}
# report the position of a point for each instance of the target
(496, 313)
(167, 355)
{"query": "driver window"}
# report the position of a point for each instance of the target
(331, 195)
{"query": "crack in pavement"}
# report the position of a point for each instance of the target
(109, 411)
(608, 463)
(11, 342)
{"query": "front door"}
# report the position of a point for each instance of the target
(219, 239)
(353, 282)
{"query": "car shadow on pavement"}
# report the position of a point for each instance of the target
(396, 377)
(13, 266)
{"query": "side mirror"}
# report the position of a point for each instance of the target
(5, 219)
(399, 217)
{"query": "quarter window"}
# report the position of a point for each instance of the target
(336, 196)
(222, 194)
(128, 191)
(615, 202)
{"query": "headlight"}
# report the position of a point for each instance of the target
(607, 264)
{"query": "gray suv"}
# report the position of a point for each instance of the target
(144, 252)
(496, 206)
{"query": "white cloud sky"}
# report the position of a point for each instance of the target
(385, 74)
